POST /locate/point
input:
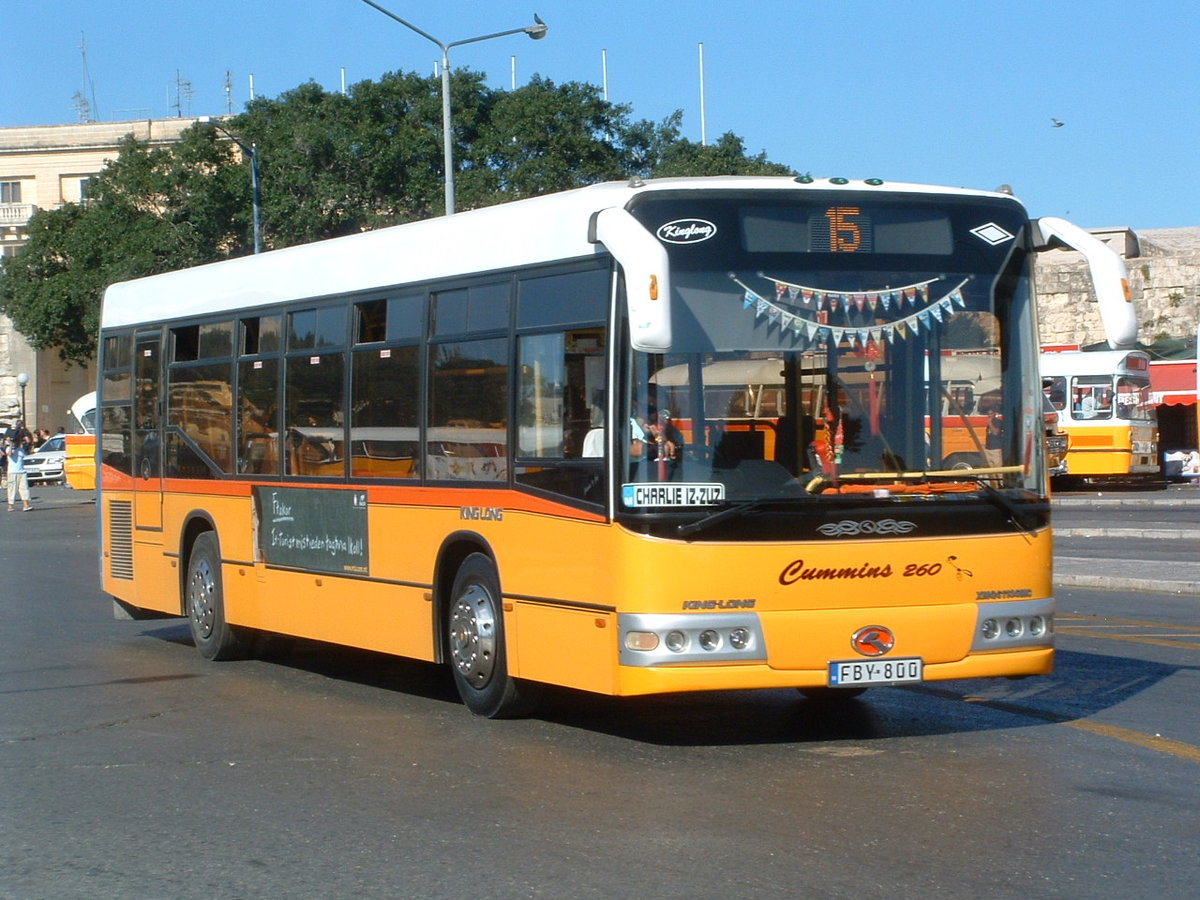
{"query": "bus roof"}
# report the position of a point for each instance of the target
(83, 412)
(1081, 362)
(524, 232)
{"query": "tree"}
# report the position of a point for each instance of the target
(149, 211)
(541, 139)
(330, 164)
(658, 151)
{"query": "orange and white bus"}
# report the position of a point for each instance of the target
(79, 466)
(489, 440)
(1105, 407)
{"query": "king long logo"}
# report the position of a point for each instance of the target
(686, 231)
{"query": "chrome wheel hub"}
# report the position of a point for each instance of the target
(473, 635)
(201, 590)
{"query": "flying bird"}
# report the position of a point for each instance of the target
(1057, 123)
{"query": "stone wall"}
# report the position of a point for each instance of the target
(1164, 279)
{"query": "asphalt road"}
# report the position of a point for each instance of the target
(129, 767)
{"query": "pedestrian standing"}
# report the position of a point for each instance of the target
(16, 447)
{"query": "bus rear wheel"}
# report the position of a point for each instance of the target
(215, 638)
(475, 639)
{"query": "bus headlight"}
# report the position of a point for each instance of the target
(1014, 624)
(662, 640)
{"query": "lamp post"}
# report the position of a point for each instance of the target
(536, 32)
(23, 380)
(255, 194)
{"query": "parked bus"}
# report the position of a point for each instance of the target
(1105, 407)
(79, 467)
(506, 441)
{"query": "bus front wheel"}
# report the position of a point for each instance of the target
(475, 637)
(215, 638)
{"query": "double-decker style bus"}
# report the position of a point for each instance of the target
(1105, 408)
(512, 441)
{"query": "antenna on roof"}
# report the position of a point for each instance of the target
(83, 106)
(183, 96)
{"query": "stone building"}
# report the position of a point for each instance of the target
(1164, 279)
(41, 167)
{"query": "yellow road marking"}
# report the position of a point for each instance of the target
(1178, 749)
(1135, 623)
(1136, 639)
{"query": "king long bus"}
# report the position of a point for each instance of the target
(488, 441)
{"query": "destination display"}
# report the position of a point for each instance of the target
(321, 531)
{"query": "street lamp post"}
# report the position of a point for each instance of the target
(23, 380)
(536, 32)
(255, 193)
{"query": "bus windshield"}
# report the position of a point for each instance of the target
(869, 345)
(1133, 399)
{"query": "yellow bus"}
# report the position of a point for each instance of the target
(79, 466)
(1104, 405)
(488, 440)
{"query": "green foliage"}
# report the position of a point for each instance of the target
(149, 211)
(329, 165)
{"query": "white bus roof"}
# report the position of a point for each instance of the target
(524, 232)
(1081, 362)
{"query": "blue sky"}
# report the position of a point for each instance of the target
(958, 92)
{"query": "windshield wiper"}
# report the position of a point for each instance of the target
(733, 510)
(998, 499)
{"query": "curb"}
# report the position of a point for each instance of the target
(1160, 534)
(1128, 584)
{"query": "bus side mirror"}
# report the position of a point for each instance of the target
(647, 276)
(1110, 278)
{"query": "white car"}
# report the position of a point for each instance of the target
(45, 464)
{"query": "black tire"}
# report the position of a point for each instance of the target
(204, 600)
(475, 644)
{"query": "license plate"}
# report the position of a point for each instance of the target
(852, 673)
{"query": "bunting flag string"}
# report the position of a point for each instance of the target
(820, 303)
(821, 298)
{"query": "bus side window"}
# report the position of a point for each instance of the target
(1055, 387)
(561, 428)
(1090, 400)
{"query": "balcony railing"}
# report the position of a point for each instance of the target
(16, 213)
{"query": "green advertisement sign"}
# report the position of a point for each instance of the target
(313, 529)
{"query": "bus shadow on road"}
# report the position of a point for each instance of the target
(1083, 685)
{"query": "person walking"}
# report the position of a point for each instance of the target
(16, 447)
